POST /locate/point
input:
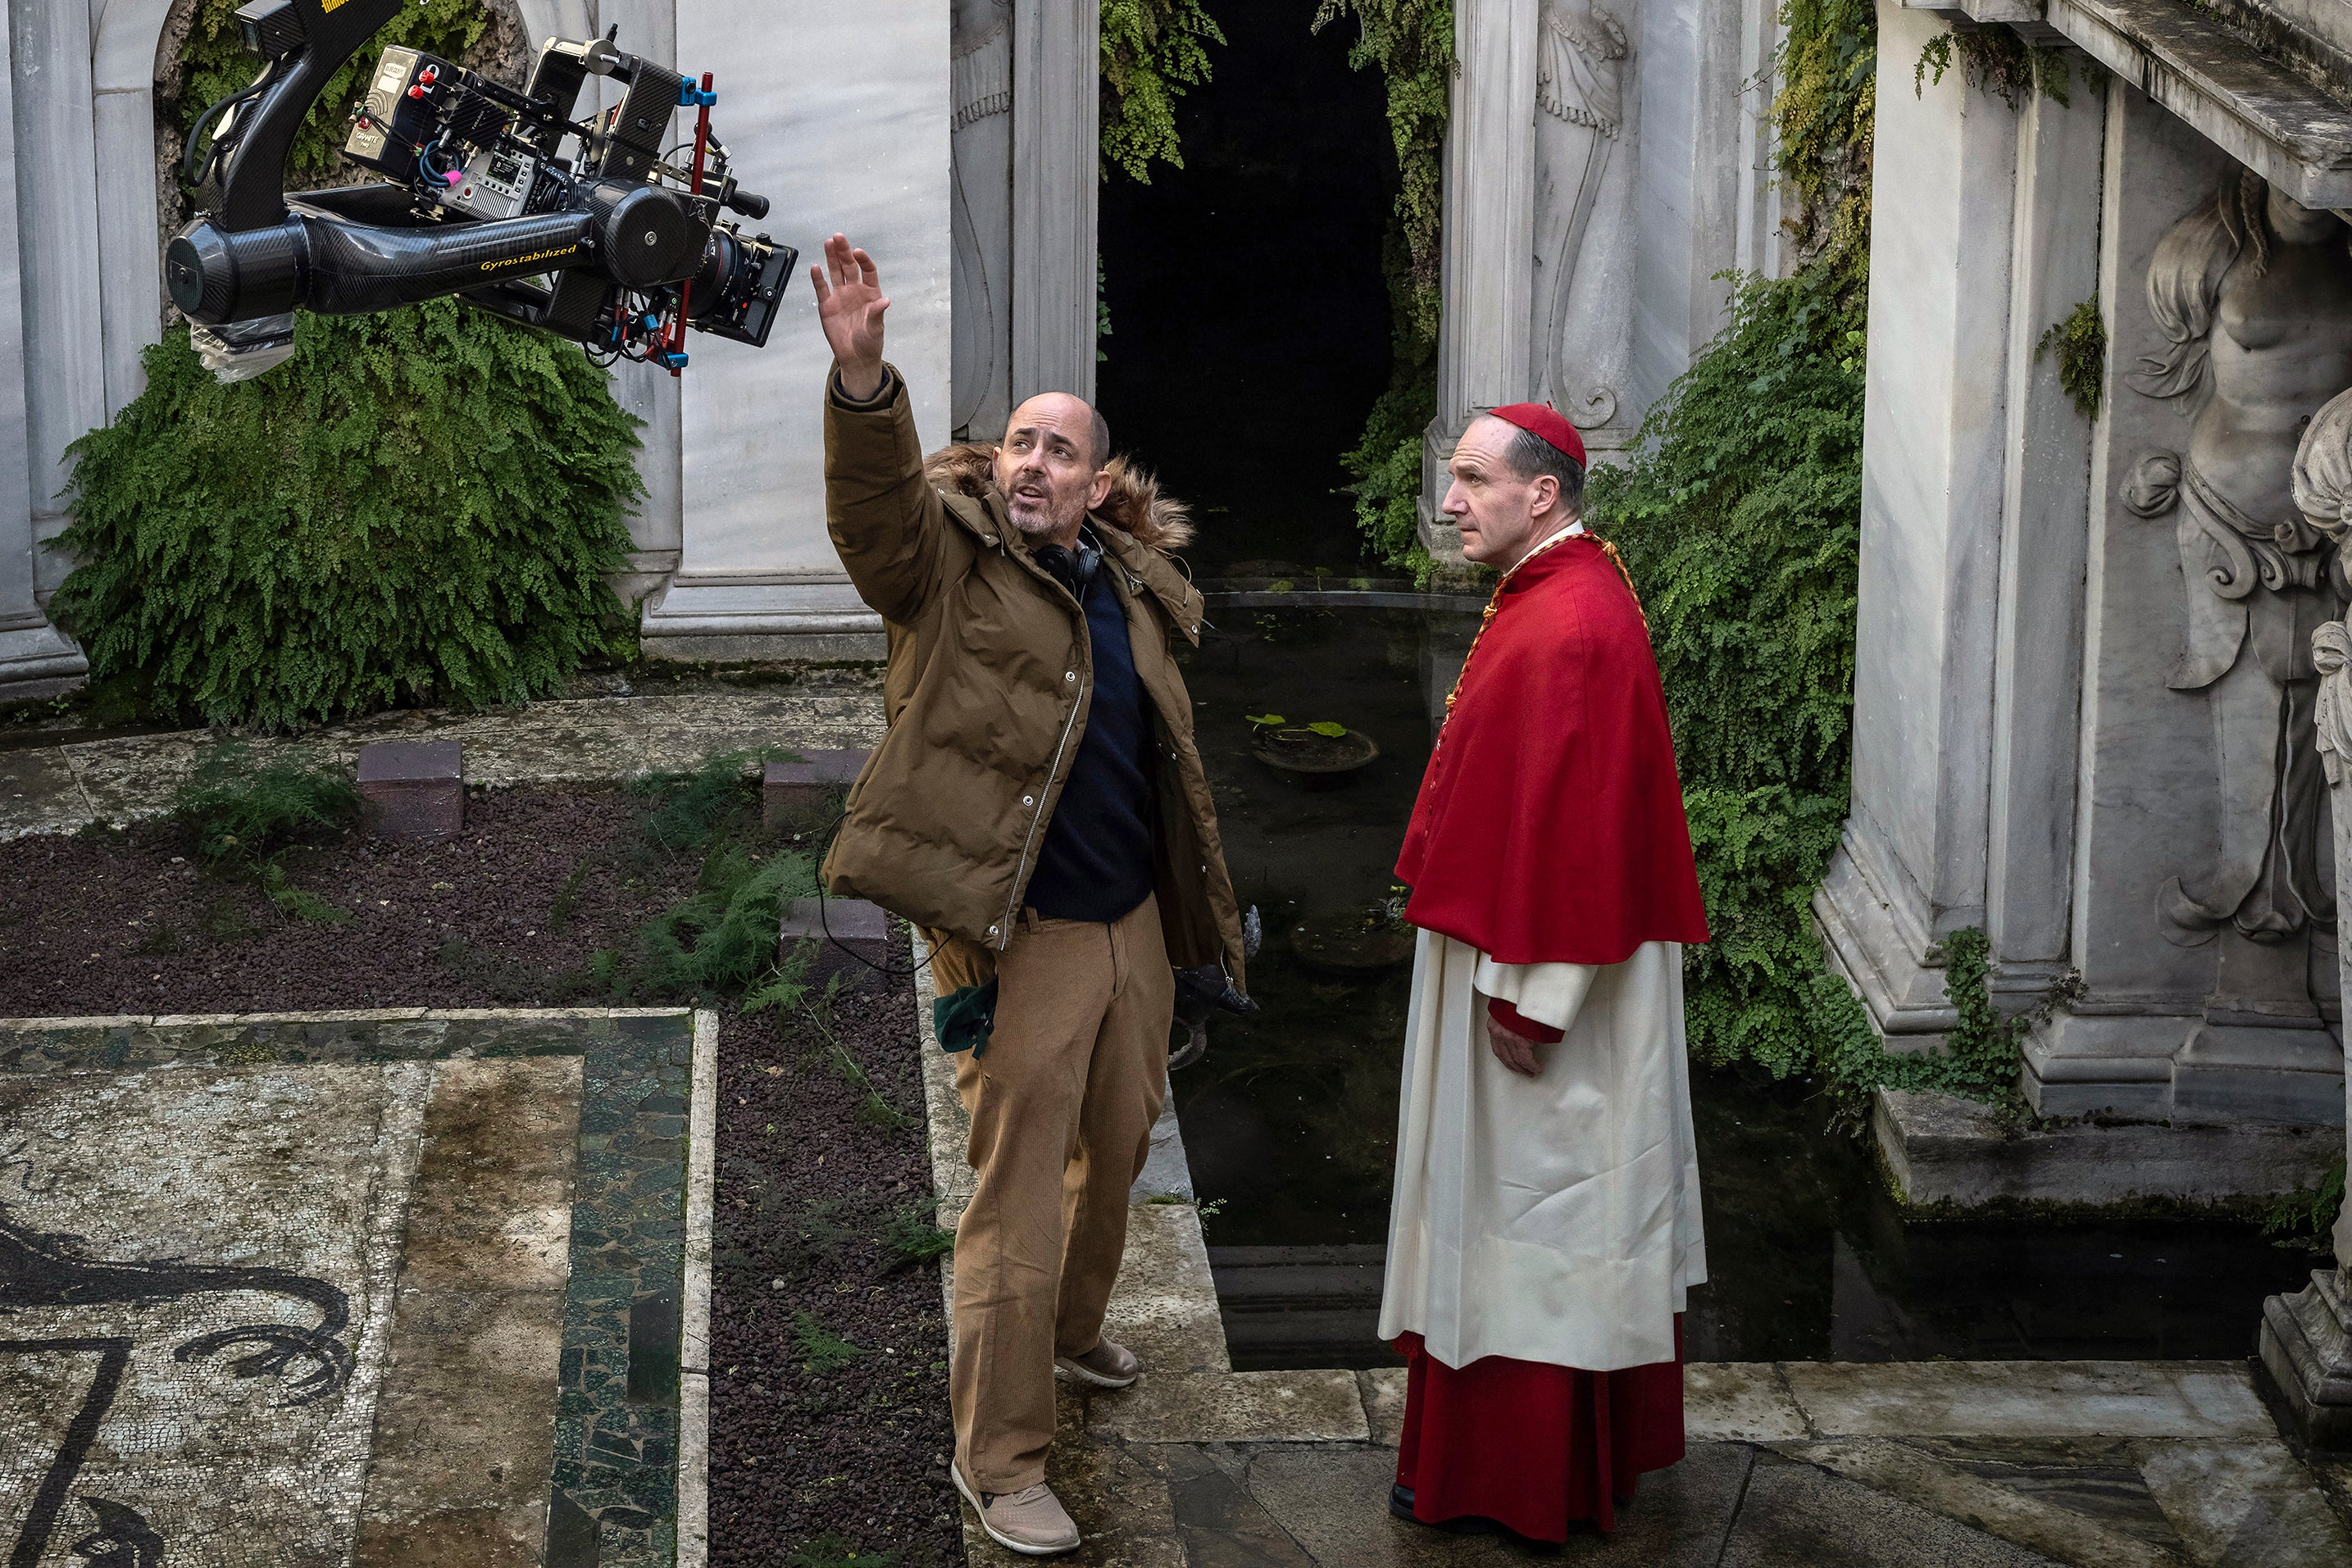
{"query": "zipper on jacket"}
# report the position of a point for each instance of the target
(1021, 867)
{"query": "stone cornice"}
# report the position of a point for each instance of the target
(2259, 110)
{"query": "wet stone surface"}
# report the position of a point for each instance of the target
(332, 1290)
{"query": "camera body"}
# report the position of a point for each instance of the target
(494, 194)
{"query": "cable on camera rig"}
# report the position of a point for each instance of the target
(494, 196)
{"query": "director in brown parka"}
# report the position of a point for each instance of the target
(1037, 714)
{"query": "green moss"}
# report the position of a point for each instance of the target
(2081, 341)
(2301, 1221)
(1824, 118)
(1152, 50)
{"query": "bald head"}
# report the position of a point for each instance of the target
(1050, 467)
(1065, 412)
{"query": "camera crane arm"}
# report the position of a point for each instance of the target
(628, 262)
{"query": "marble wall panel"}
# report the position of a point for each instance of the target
(2045, 504)
(18, 611)
(1932, 474)
(2148, 764)
(840, 116)
(56, 180)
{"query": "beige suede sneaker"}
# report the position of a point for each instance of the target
(1107, 1365)
(1031, 1521)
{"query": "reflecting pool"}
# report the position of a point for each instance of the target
(1290, 1121)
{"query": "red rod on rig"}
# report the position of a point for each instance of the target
(701, 148)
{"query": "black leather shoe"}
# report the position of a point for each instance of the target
(1401, 1505)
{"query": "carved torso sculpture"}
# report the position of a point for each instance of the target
(2254, 293)
(1580, 52)
(981, 82)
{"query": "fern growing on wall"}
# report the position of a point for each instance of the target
(1152, 50)
(421, 506)
(1739, 518)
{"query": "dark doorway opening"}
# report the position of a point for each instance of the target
(1250, 324)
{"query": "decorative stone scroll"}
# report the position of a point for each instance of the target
(1581, 61)
(2254, 294)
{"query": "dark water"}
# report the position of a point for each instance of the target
(1290, 1123)
(1249, 321)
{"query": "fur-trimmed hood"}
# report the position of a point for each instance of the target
(1135, 505)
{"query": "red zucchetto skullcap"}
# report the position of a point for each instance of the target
(1546, 423)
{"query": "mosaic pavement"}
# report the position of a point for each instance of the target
(369, 1288)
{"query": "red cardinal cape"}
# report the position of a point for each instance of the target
(1550, 828)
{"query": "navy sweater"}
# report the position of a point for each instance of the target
(1095, 863)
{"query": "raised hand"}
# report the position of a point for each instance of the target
(849, 306)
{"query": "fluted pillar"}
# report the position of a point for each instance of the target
(2306, 1338)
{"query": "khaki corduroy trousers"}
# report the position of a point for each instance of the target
(1062, 1104)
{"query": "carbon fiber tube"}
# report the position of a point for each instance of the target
(339, 268)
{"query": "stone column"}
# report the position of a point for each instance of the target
(56, 182)
(2045, 504)
(648, 27)
(1912, 866)
(981, 94)
(1592, 176)
(2306, 1345)
(1486, 265)
(1056, 141)
(35, 661)
(844, 126)
(1758, 241)
(1686, 211)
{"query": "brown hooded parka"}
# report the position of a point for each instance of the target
(990, 677)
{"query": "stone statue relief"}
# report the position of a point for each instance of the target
(2254, 294)
(981, 84)
(1581, 53)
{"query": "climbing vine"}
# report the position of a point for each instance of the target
(1997, 60)
(2081, 342)
(1822, 117)
(1152, 50)
(1411, 43)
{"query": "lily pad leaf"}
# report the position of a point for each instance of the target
(1265, 718)
(1329, 730)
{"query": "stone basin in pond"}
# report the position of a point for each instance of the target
(1315, 761)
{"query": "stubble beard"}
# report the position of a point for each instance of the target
(1037, 521)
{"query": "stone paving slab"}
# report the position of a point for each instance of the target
(63, 788)
(2036, 1399)
(393, 1288)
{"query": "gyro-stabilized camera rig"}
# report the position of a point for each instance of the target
(494, 195)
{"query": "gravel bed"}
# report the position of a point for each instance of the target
(812, 1166)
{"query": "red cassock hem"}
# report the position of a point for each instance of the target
(1533, 1445)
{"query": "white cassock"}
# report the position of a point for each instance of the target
(1553, 1218)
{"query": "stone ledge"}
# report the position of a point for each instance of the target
(2200, 1399)
(1941, 1149)
(2262, 113)
(1235, 1408)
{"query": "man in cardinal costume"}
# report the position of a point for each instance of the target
(1546, 1226)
